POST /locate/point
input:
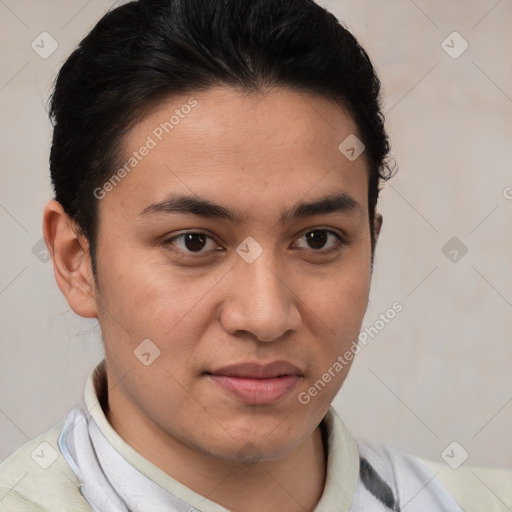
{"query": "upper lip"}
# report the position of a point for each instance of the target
(258, 371)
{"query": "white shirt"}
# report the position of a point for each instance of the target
(83, 465)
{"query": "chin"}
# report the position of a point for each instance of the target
(250, 452)
(261, 445)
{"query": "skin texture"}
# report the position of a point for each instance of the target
(300, 302)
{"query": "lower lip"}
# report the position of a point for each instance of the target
(257, 391)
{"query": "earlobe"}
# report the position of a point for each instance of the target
(71, 260)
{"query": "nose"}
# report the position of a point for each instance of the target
(262, 301)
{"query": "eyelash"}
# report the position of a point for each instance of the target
(340, 241)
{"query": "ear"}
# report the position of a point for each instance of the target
(71, 261)
(377, 225)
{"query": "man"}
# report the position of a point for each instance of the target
(217, 166)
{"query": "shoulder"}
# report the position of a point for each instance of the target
(37, 478)
(477, 489)
(418, 481)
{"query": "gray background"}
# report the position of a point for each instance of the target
(440, 371)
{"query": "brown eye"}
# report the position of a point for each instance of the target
(317, 239)
(192, 242)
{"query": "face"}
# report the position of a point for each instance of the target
(237, 245)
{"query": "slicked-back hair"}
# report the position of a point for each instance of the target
(144, 52)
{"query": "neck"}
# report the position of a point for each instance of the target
(293, 483)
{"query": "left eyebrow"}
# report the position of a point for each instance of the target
(194, 205)
(333, 203)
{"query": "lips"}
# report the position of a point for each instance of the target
(256, 371)
(257, 384)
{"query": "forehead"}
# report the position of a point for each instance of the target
(251, 148)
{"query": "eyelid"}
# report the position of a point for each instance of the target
(167, 242)
(341, 240)
(336, 232)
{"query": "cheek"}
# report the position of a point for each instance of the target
(144, 295)
(336, 309)
(340, 300)
(348, 305)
